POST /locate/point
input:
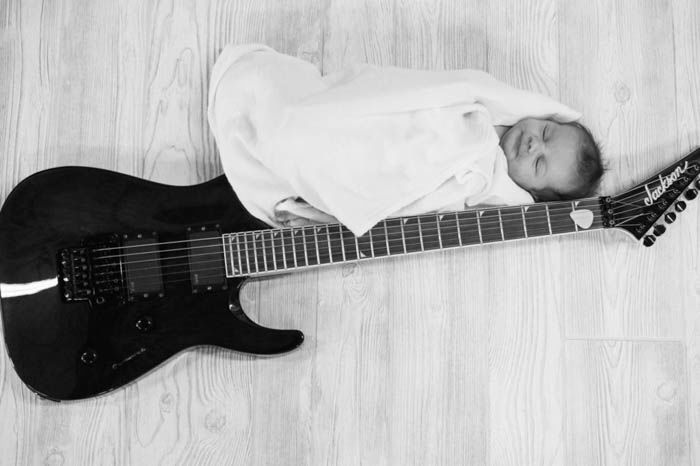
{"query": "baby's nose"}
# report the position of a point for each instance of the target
(532, 145)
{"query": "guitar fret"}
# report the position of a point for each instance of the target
(386, 237)
(271, 238)
(420, 234)
(371, 243)
(238, 252)
(318, 256)
(439, 234)
(500, 222)
(478, 226)
(459, 230)
(284, 252)
(255, 253)
(227, 255)
(330, 251)
(245, 243)
(357, 247)
(403, 236)
(342, 243)
(294, 248)
(274, 254)
(522, 213)
(264, 249)
(573, 208)
(303, 240)
(546, 208)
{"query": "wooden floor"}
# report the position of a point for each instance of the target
(578, 350)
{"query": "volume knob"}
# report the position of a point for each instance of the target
(89, 356)
(144, 324)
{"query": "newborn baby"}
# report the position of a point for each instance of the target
(551, 160)
(367, 142)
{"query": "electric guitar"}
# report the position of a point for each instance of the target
(104, 276)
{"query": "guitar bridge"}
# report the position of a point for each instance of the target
(74, 274)
(92, 272)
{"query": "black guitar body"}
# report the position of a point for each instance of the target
(70, 344)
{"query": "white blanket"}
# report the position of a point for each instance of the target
(366, 142)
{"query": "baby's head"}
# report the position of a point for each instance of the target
(552, 160)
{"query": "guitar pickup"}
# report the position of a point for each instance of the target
(206, 259)
(142, 264)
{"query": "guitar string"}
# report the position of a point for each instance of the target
(321, 257)
(488, 226)
(323, 254)
(324, 258)
(566, 206)
(426, 231)
(485, 210)
(273, 247)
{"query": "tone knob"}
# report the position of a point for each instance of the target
(670, 217)
(649, 240)
(691, 194)
(680, 206)
(144, 324)
(88, 357)
(659, 230)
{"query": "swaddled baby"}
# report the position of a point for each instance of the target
(551, 160)
(370, 142)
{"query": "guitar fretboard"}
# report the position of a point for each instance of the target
(278, 250)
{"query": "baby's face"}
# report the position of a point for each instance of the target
(542, 155)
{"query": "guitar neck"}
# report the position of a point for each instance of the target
(280, 250)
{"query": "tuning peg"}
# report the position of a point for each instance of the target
(670, 217)
(659, 230)
(680, 206)
(697, 183)
(691, 194)
(649, 240)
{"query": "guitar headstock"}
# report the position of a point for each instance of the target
(658, 198)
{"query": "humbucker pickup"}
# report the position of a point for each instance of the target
(206, 260)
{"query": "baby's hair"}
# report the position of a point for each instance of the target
(590, 167)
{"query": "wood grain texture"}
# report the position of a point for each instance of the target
(577, 350)
(686, 16)
(626, 401)
(626, 78)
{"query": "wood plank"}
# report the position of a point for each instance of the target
(525, 330)
(621, 77)
(686, 39)
(626, 403)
